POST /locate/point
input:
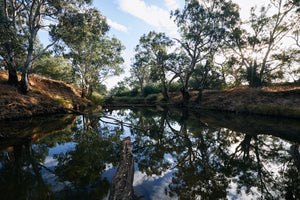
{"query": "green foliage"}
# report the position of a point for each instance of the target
(252, 75)
(127, 99)
(95, 56)
(256, 48)
(55, 67)
(204, 26)
(134, 92)
(120, 89)
(62, 101)
(175, 87)
(12, 49)
(151, 97)
(101, 89)
(151, 59)
(150, 89)
(137, 99)
(96, 98)
(206, 76)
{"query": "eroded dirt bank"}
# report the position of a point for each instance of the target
(45, 97)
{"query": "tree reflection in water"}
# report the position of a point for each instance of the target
(214, 162)
(209, 156)
(79, 170)
(96, 147)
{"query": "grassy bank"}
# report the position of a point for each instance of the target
(45, 97)
(275, 101)
(280, 101)
(48, 96)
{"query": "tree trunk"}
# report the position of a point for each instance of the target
(122, 183)
(13, 77)
(83, 92)
(90, 91)
(24, 86)
(165, 92)
(24, 80)
(141, 82)
(185, 96)
(199, 97)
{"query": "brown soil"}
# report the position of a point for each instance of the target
(280, 101)
(45, 97)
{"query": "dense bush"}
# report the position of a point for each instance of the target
(151, 98)
(150, 89)
(175, 87)
(96, 98)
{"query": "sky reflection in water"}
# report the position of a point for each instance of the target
(178, 155)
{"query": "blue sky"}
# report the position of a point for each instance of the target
(130, 19)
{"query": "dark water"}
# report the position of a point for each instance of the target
(178, 154)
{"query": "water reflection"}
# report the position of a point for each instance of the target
(179, 154)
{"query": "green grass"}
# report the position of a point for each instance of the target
(64, 102)
(96, 99)
(152, 98)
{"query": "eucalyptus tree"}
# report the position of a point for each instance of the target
(12, 37)
(203, 26)
(140, 68)
(255, 48)
(94, 55)
(22, 20)
(105, 62)
(56, 67)
(152, 51)
(38, 15)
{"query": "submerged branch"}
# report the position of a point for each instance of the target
(121, 123)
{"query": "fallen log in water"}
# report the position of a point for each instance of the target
(122, 183)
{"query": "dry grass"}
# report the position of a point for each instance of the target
(276, 101)
(45, 96)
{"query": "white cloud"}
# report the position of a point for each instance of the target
(152, 15)
(172, 4)
(116, 26)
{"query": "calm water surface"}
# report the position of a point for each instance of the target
(178, 154)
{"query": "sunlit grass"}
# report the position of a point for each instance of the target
(65, 102)
(97, 98)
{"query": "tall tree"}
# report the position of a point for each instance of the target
(155, 46)
(94, 55)
(38, 12)
(203, 27)
(12, 37)
(106, 62)
(255, 48)
(140, 68)
(22, 20)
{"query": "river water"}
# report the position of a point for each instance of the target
(178, 154)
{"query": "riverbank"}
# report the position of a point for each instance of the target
(45, 97)
(48, 96)
(283, 101)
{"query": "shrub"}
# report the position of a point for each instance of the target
(127, 99)
(150, 89)
(96, 98)
(152, 97)
(64, 102)
(175, 87)
(134, 92)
